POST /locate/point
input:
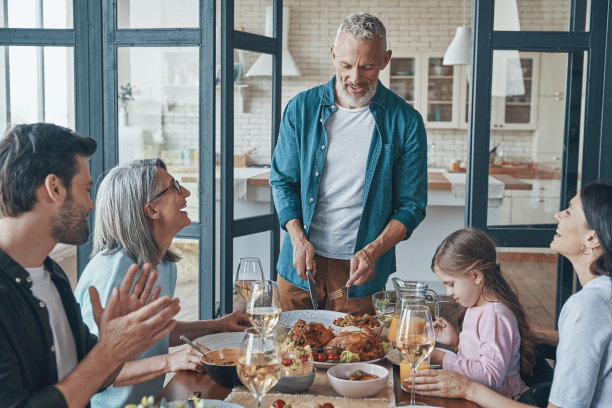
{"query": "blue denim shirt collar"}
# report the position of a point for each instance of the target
(328, 96)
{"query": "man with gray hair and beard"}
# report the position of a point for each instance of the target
(349, 177)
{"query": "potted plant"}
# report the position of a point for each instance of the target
(126, 95)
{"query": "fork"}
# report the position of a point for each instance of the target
(337, 293)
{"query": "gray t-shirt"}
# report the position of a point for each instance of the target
(337, 213)
(583, 371)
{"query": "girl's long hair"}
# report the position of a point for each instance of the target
(469, 249)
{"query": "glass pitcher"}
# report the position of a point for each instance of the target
(412, 292)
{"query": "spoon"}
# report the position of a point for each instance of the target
(192, 344)
(376, 316)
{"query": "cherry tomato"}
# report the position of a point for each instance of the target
(287, 362)
(321, 357)
(328, 405)
(279, 403)
(333, 356)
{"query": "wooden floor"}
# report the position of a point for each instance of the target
(535, 282)
(533, 277)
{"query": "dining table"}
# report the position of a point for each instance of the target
(184, 384)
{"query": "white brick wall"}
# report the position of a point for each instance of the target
(425, 25)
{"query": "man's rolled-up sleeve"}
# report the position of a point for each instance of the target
(13, 393)
(410, 178)
(285, 169)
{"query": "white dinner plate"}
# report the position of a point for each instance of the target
(329, 365)
(221, 340)
(414, 406)
(325, 317)
(209, 402)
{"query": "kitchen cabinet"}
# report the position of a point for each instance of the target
(439, 96)
(181, 82)
(402, 74)
(440, 92)
(430, 87)
(518, 112)
(535, 206)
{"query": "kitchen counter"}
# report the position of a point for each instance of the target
(435, 181)
(445, 213)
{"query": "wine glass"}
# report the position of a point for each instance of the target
(249, 271)
(414, 337)
(264, 306)
(259, 363)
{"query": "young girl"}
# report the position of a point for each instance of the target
(494, 346)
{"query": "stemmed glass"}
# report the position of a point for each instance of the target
(414, 337)
(249, 271)
(259, 363)
(264, 306)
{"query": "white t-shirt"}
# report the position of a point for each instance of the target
(63, 340)
(583, 370)
(337, 213)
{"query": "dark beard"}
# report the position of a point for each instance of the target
(70, 226)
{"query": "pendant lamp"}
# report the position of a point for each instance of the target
(458, 52)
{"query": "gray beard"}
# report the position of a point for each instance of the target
(351, 101)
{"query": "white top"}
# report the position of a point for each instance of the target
(63, 340)
(335, 222)
(583, 370)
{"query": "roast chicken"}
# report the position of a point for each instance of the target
(313, 334)
(363, 342)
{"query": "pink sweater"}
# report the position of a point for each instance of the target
(489, 349)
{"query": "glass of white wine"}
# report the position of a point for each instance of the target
(249, 271)
(414, 337)
(264, 306)
(259, 363)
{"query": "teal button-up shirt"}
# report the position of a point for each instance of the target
(395, 179)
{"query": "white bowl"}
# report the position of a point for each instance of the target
(357, 389)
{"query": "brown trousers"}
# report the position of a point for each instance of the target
(331, 274)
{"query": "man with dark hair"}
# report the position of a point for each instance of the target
(48, 357)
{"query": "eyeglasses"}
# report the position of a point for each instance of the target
(174, 186)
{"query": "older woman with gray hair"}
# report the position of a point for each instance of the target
(140, 208)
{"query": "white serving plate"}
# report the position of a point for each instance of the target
(208, 402)
(222, 340)
(325, 317)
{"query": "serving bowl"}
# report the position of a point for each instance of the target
(338, 375)
(295, 384)
(222, 372)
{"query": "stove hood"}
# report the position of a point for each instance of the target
(263, 64)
